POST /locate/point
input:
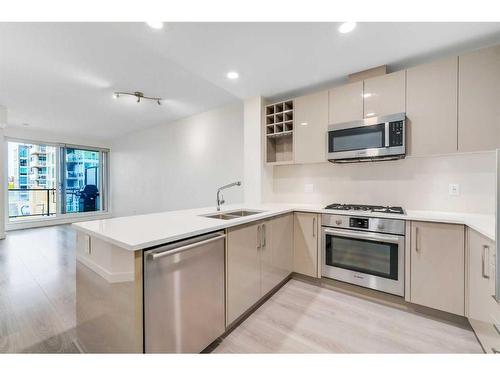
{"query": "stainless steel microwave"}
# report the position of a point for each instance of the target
(372, 139)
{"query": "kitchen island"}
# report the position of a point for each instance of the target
(110, 262)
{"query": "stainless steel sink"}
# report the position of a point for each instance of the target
(228, 215)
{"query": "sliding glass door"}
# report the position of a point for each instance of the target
(49, 180)
(82, 182)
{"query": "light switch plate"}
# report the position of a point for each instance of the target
(454, 189)
(308, 188)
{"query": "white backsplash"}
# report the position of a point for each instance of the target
(416, 183)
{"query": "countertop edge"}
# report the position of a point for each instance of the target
(221, 225)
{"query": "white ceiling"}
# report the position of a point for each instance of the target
(61, 76)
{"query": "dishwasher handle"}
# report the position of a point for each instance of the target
(185, 248)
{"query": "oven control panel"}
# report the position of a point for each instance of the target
(358, 222)
(364, 223)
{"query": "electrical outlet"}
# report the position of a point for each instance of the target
(308, 188)
(454, 189)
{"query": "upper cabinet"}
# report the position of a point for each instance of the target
(384, 95)
(431, 107)
(311, 124)
(478, 100)
(345, 103)
(376, 96)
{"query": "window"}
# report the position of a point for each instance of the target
(49, 180)
(82, 185)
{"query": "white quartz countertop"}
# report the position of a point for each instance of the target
(143, 231)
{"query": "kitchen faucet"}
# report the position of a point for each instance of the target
(220, 197)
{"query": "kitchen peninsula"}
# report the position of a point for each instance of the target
(112, 287)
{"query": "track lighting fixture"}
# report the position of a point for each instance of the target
(139, 95)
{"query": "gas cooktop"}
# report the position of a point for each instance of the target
(366, 208)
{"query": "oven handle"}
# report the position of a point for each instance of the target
(364, 235)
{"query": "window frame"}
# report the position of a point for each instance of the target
(103, 175)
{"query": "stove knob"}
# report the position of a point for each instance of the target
(338, 221)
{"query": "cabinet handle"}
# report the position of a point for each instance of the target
(416, 240)
(314, 226)
(485, 258)
(259, 238)
(264, 235)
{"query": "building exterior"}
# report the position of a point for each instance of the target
(32, 180)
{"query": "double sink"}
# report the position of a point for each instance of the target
(229, 215)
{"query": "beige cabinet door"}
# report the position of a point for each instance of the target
(481, 276)
(305, 244)
(384, 95)
(311, 125)
(437, 266)
(242, 270)
(431, 107)
(276, 252)
(478, 100)
(345, 103)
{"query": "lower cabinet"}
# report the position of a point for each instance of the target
(306, 244)
(258, 257)
(437, 266)
(276, 252)
(483, 310)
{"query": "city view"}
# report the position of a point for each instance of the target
(33, 175)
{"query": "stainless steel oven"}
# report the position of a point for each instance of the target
(375, 138)
(364, 251)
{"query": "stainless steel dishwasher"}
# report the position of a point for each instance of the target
(184, 295)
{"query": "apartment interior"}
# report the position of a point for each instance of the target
(176, 187)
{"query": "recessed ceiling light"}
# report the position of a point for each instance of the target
(25, 124)
(232, 75)
(304, 123)
(347, 27)
(155, 25)
(371, 114)
(367, 95)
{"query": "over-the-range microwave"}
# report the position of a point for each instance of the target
(371, 139)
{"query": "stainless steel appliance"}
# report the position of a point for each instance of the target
(365, 251)
(366, 208)
(372, 139)
(184, 295)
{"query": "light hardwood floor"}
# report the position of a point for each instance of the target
(37, 291)
(37, 311)
(305, 318)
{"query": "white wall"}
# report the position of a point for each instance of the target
(414, 183)
(258, 177)
(178, 165)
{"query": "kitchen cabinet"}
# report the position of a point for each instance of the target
(258, 257)
(306, 244)
(384, 95)
(345, 103)
(431, 107)
(276, 252)
(478, 100)
(242, 269)
(437, 266)
(311, 125)
(483, 311)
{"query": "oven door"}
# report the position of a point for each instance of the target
(372, 260)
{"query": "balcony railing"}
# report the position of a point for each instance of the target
(24, 203)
